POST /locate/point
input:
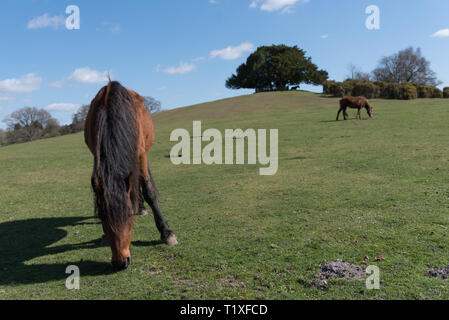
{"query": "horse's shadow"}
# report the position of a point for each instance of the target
(342, 121)
(24, 240)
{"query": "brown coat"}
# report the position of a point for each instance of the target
(354, 103)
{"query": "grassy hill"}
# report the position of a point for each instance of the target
(370, 192)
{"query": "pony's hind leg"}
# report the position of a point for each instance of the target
(149, 192)
(142, 210)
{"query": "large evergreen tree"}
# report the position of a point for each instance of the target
(276, 68)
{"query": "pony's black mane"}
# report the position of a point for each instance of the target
(116, 159)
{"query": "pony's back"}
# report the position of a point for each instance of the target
(115, 177)
(354, 102)
(345, 101)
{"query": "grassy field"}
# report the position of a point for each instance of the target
(367, 192)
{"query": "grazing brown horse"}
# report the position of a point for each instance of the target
(119, 133)
(354, 103)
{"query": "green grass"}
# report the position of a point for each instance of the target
(344, 190)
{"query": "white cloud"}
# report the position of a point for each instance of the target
(45, 21)
(27, 83)
(87, 75)
(275, 5)
(116, 28)
(324, 36)
(443, 33)
(181, 69)
(57, 84)
(213, 1)
(6, 99)
(62, 107)
(198, 59)
(232, 53)
(109, 27)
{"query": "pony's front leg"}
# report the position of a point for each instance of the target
(338, 114)
(142, 210)
(358, 115)
(149, 192)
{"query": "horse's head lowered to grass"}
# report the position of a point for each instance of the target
(119, 133)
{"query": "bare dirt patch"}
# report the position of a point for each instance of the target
(338, 269)
(440, 273)
(342, 270)
(230, 282)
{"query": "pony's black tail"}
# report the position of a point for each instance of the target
(116, 156)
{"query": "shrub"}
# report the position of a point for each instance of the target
(391, 91)
(327, 85)
(348, 87)
(424, 91)
(333, 88)
(446, 93)
(338, 90)
(437, 93)
(366, 89)
(383, 90)
(408, 91)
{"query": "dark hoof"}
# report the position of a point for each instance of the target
(170, 240)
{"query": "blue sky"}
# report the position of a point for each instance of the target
(181, 52)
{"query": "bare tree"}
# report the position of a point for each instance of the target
(30, 122)
(52, 129)
(406, 66)
(79, 118)
(352, 68)
(152, 105)
(362, 76)
(355, 73)
(3, 139)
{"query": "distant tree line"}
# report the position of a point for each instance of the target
(383, 90)
(404, 75)
(406, 66)
(30, 123)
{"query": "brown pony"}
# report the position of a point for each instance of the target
(354, 103)
(119, 133)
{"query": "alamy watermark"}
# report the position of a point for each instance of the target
(373, 280)
(212, 153)
(73, 280)
(373, 20)
(73, 21)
